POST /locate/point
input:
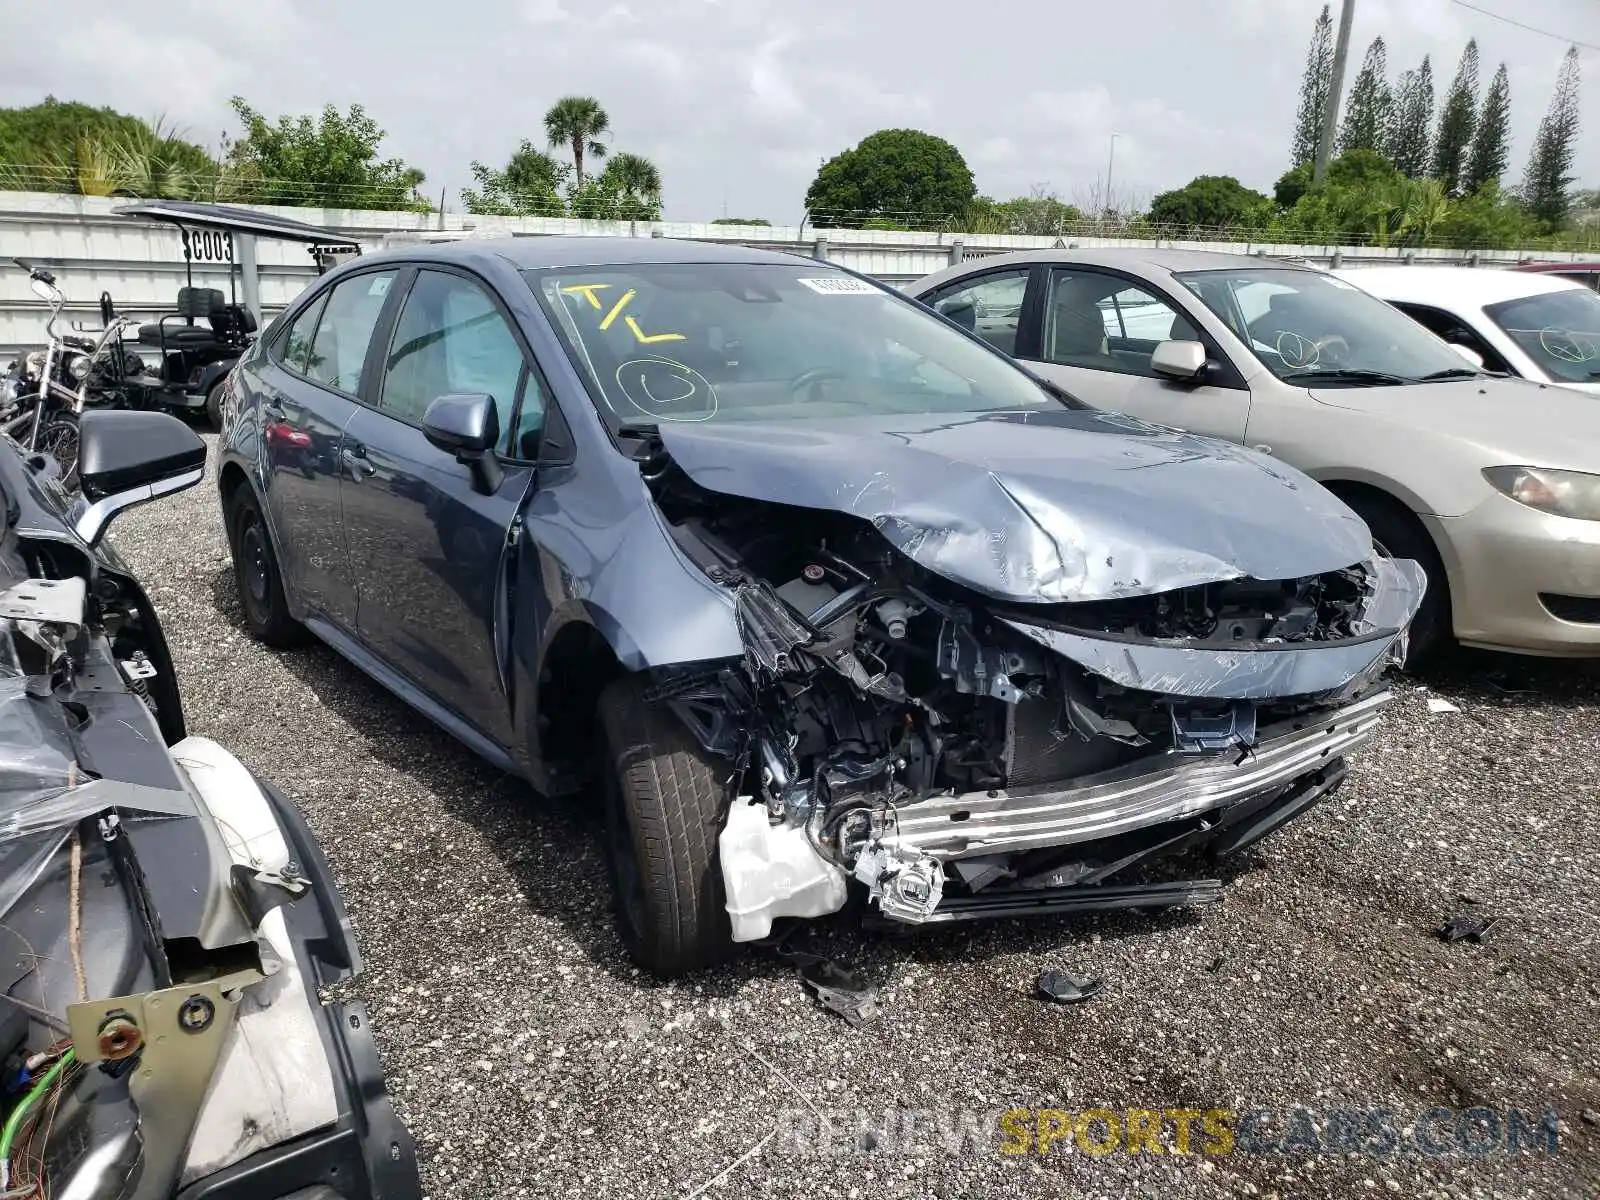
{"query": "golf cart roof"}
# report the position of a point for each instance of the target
(191, 215)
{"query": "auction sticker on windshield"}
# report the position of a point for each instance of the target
(839, 285)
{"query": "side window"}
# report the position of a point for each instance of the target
(450, 338)
(990, 307)
(294, 347)
(531, 404)
(1457, 332)
(339, 347)
(1105, 323)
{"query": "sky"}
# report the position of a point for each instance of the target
(739, 101)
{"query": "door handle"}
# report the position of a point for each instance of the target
(356, 462)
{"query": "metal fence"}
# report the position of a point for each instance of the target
(141, 265)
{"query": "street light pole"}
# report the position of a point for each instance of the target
(1111, 158)
(1330, 108)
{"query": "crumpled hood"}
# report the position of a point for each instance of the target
(1048, 507)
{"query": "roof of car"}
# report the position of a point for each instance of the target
(533, 252)
(1138, 259)
(1453, 287)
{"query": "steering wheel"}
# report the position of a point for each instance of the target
(1300, 352)
(808, 380)
(1568, 346)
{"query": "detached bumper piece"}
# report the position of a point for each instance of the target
(1044, 902)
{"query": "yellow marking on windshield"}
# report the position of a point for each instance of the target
(646, 339)
(587, 291)
(616, 309)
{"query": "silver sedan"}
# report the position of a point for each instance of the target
(1492, 483)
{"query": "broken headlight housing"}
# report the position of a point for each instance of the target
(1574, 494)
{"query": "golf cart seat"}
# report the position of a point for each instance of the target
(193, 302)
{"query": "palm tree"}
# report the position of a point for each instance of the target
(578, 121)
(635, 182)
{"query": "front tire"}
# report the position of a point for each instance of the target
(58, 438)
(256, 573)
(665, 804)
(1397, 533)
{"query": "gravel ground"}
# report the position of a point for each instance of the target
(529, 1058)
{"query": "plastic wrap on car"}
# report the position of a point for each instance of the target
(44, 792)
(1260, 672)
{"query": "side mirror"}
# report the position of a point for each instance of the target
(1468, 353)
(468, 427)
(43, 289)
(108, 310)
(1179, 360)
(962, 311)
(128, 457)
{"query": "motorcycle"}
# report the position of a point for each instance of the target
(47, 390)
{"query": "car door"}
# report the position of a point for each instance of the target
(309, 386)
(1097, 331)
(990, 304)
(428, 551)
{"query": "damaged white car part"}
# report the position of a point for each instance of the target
(166, 920)
(998, 665)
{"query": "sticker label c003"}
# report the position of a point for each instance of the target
(839, 285)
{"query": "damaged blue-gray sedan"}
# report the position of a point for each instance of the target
(815, 590)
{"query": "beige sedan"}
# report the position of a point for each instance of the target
(1492, 483)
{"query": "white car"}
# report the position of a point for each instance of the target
(1542, 327)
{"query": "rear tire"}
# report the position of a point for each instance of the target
(256, 574)
(665, 804)
(1398, 533)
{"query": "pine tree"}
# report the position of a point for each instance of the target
(1411, 122)
(1366, 116)
(1456, 121)
(1314, 89)
(1545, 187)
(1491, 144)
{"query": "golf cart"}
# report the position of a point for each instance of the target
(195, 345)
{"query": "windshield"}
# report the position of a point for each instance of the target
(759, 341)
(1315, 329)
(1559, 330)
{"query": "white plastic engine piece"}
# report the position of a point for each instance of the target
(772, 871)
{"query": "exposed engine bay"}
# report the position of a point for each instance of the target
(963, 755)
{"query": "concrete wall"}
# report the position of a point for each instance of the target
(141, 265)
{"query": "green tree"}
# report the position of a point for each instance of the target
(578, 122)
(64, 146)
(1212, 202)
(1411, 122)
(1491, 143)
(1545, 188)
(1041, 215)
(902, 176)
(529, 185)
(741, 221)
(1315, 85)
(1366, 113)
(1291, 185)
(1485, 219)
(1457, 120)
(331, 162)
(629, 189)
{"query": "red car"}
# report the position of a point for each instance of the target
(1586, 273)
